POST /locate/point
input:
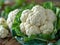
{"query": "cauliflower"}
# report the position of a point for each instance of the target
(3, 32)
(22, 27)
(3, 22)
(50, 15)
(27, 26)
(37, 20)
(32, 30)
(3, 28)
(47, 28)
(38, 8)
(25, 15)
(11, 17)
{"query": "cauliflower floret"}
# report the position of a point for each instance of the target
(22, 27)
(38, 8)
(47, 28)
(3, 32)
(32, 30)
(11, 17)
(37, 19)
(27, 26)
(13, 13)
(3, 22)
(24, 15)
(50, 15)
(28, 18)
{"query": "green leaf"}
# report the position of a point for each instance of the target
(29, 6)
(58, 17)
(48, 5)
(7, 9)
(2, 14)
(50, 43)
(45, 36)
(26, 38)
(13, 33)
(58, 42)
(57, 10)
(31, 42)
(19, 39)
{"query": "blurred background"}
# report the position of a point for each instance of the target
(8, 5)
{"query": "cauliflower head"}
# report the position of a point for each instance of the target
(11, 17)
(3, 32)
(37, 20)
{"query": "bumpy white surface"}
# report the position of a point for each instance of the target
(32, 30)
(47, 28)
(37, 20)
(25, 14)
(22, 27)
(3, 32)
(50, 15)
(11, 17)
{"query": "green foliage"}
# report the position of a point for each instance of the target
(58, 42)
(16, 24)
(31, 42)
(6, 11)
(58, 17)
(48, 5)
